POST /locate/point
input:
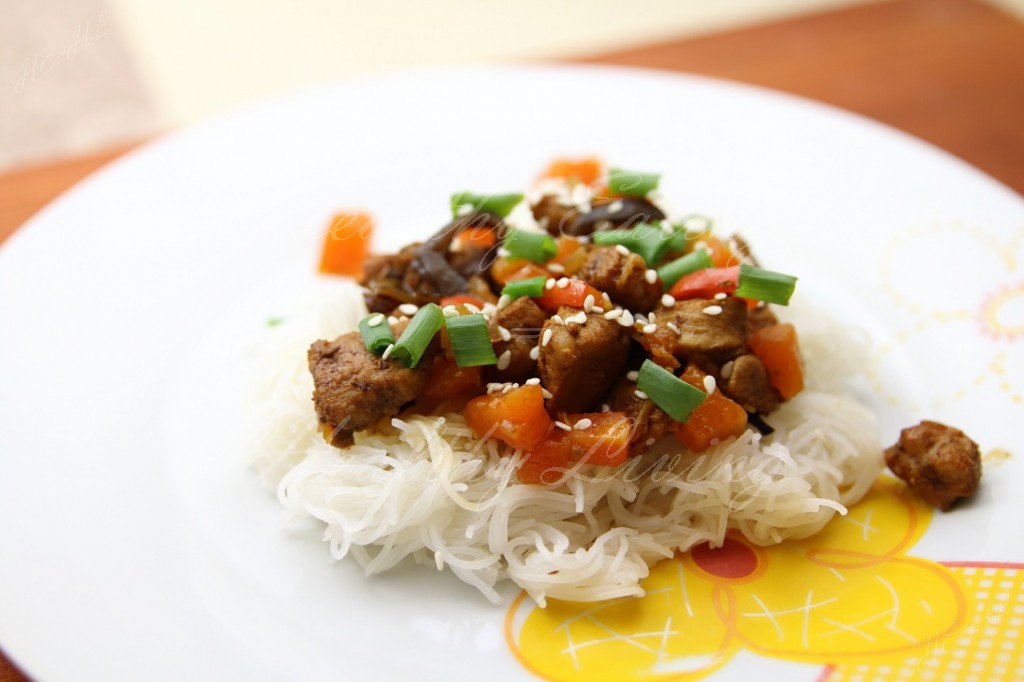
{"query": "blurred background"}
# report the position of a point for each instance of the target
(81, 75)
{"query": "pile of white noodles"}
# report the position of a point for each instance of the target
(430, 490)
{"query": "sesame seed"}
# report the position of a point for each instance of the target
(471, 308)
(508, 387)
(376, 320)
(387, 351)
(504, 253)
(713, 310)
(667, 227)
(650, 441)
(408, 308)
(651, 276)
(721, 296)
(727, 370)
(563, 426)
(709, 384)
(588, 303)
(449, 311)
(558, 319)
(632, 375)
(535, 352)
(627, 319)
(504, 301)
(550, 283)
(612, 314)
(583, 207)
(546, 393)
(597, 309)
(650, 328)
(615, 206)
(505, 334)
(583, 424)
(392, 319)
(494, 387)
(490, 309)
(556, 267)
(533, 382)
(668, 300)
(622, 249)
(562, 282)
(504, 359)
(579, 318)
(546, 338)
(606, 408)
(640, 394)
(650, 317)
(403, 318)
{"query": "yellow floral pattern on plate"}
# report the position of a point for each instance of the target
(847, 598)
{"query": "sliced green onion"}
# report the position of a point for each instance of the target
(670, 273)
(539, 247)
(499, 204)
(470, 340)
(648, 241)
(417, 336)
(765, 285)
(633, 183)
(668, 391)
(376, 332)
(531, 286)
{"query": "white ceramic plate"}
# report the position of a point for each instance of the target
(136, 546)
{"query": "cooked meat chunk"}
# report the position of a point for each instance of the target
(581, 361)
(760, 317)
(622, 277)
(650, 420)
(353, 388)
(703, 338)
(938, 462)
(523, 321)
(749, 385)
(382, 276)
(560, 219)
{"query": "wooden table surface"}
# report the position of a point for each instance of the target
(948, 71)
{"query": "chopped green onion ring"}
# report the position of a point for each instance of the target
(498, 204)
(765, 285)
(632, 183)
(470, 340)
(376, 333)
(646, 240)
(531, 286)
(538, 247)
(417, 336)
(670, 273)
(668, 391)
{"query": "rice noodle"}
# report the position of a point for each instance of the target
(428, 490)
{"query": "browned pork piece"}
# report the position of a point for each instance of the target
(623, 276)
(604, 214)
(353, 388)
(580, 361)
(749, 384)
(939, 463)
(709, 330)
(522, 320)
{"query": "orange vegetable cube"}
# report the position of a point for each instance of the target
(714, 420)
(778, 348)
(517, 417)
(346, 244)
